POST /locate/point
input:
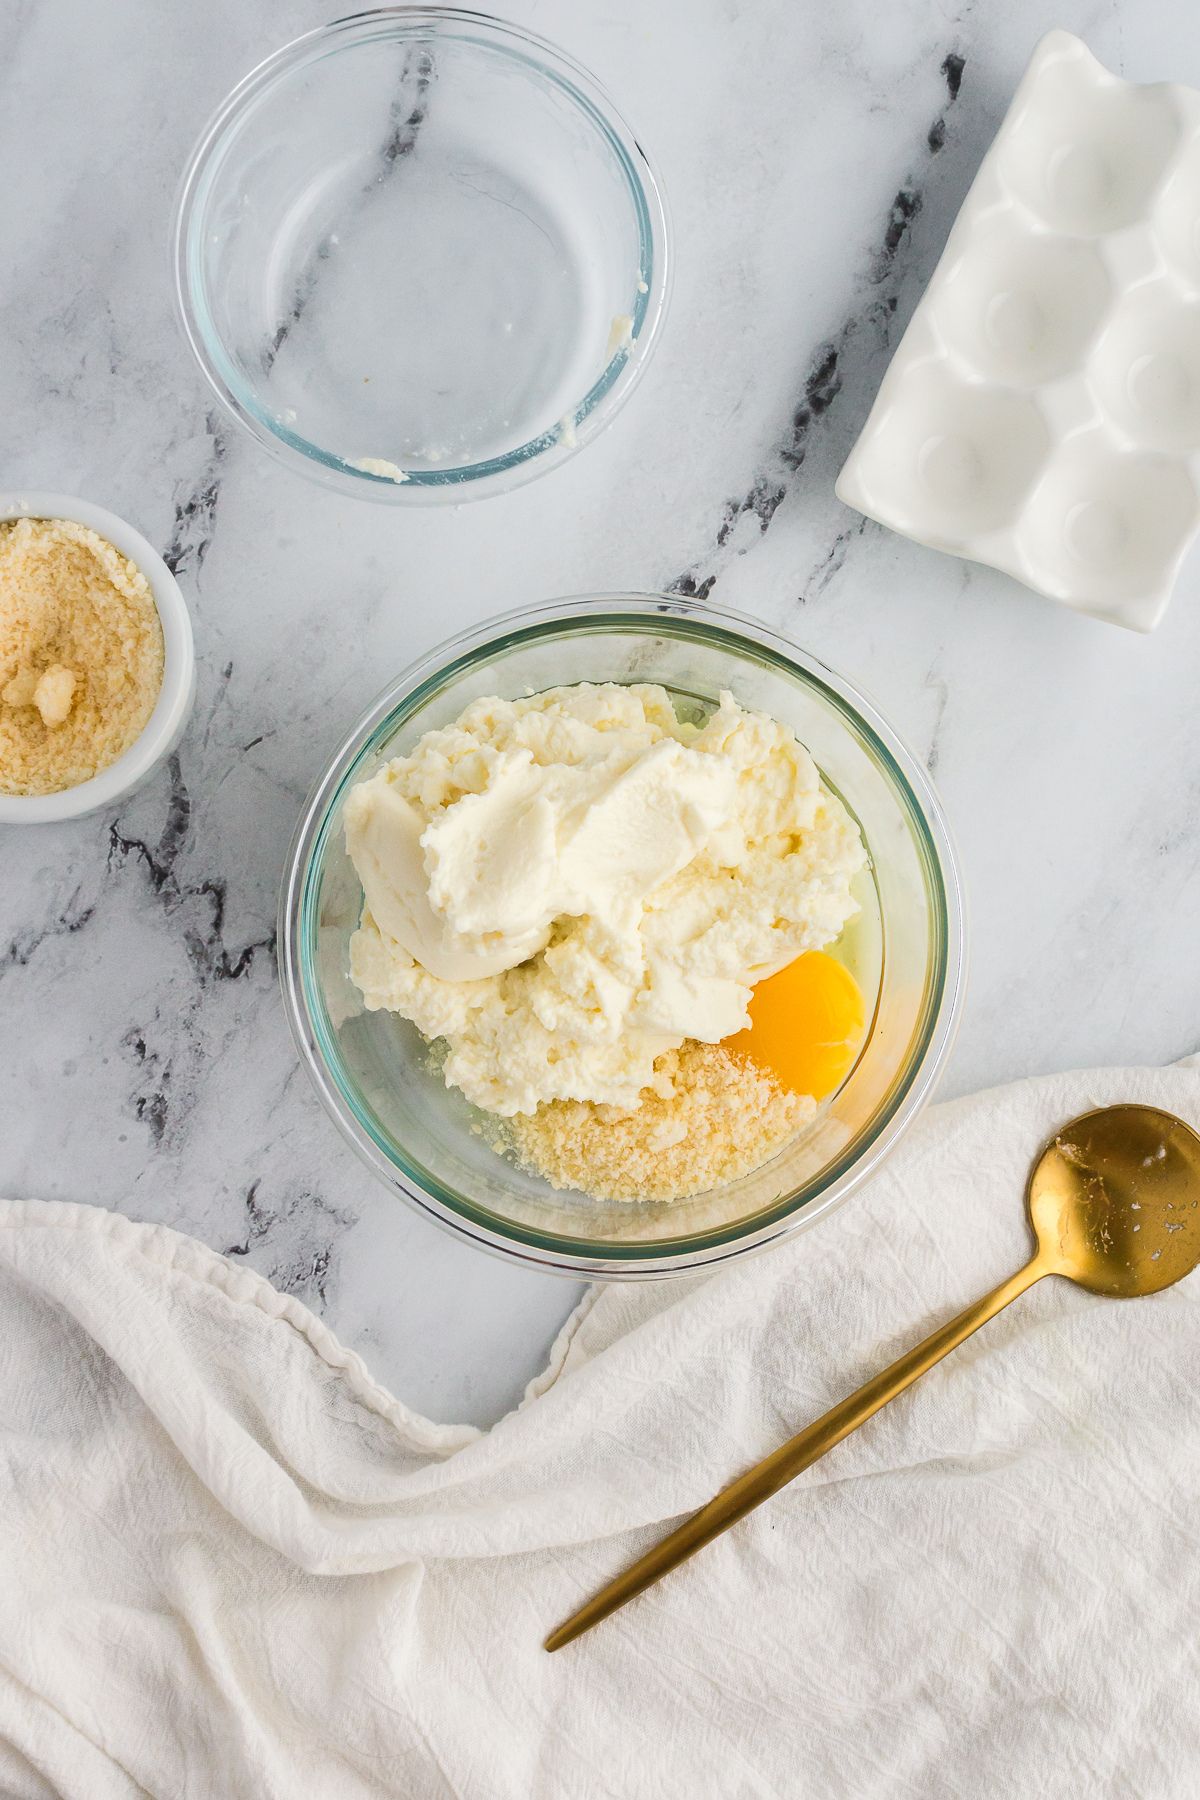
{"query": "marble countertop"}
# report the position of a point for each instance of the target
(814, 159)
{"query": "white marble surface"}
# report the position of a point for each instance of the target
(814, 158)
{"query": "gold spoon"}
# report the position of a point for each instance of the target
(1114, 1201)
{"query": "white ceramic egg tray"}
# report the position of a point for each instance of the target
(1042, 411)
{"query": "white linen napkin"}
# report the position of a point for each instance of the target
(234, 1566)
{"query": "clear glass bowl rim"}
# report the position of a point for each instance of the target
(580, 1257)
(470, 480)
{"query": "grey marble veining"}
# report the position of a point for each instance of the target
(814, 160)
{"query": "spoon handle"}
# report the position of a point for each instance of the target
(800, 1452)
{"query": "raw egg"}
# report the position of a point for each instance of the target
(806, 1025)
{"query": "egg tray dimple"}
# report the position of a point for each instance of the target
(1042, 412)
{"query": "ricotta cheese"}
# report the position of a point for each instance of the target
(566, 886)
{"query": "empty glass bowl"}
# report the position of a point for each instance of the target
(373, 1070)
(420, 255)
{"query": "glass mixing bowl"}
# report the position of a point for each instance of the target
(372, 1069)
(420, 255)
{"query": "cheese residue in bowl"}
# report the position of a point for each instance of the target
(81, 655)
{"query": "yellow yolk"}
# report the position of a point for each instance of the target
(806, 1025)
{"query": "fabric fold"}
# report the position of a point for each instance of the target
(234, 1564)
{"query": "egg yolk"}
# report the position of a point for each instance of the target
(806, 1025)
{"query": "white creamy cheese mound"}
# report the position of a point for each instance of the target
(563, 887)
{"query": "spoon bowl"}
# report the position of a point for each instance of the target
(1114, 1201)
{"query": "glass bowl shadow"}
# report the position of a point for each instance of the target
(375, 1073)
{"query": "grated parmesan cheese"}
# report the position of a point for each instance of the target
(81, 655)
(721, 1118)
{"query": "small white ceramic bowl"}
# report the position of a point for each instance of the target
(164, 728)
